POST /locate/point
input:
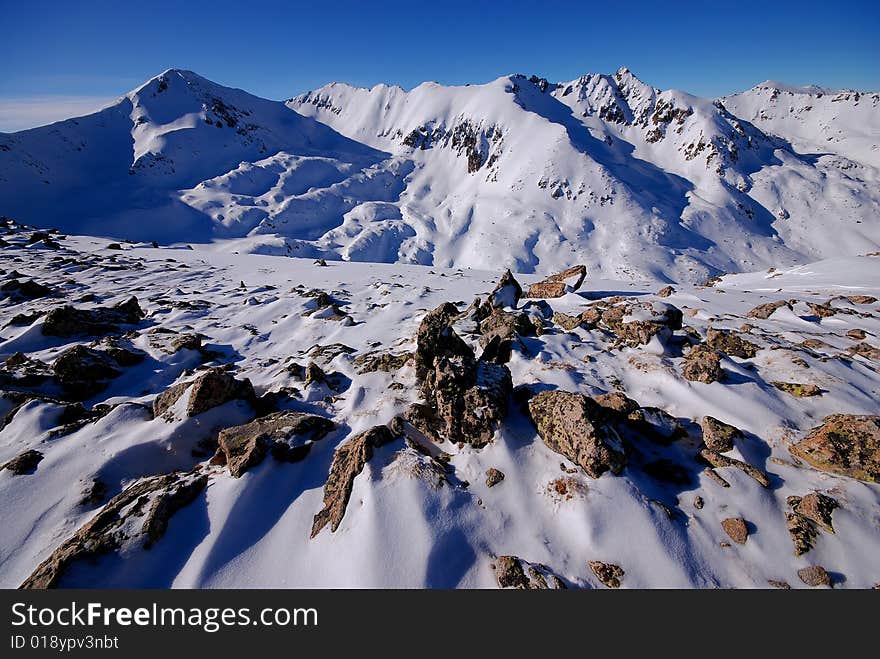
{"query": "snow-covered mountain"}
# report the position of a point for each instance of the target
(605, 170)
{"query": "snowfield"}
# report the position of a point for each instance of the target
(94, 510)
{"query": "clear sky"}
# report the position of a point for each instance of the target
(66, 57)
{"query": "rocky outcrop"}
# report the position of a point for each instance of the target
(716, 460)
(68, 321)
(702, 364)
(84, 372)
(719, 436)
(797, 389)
(806, 516)
(730, 343)
(845, 444)
(559, 284)
(608, 573)
(635, 323)
(577, 427)
(212, 388)
(136, 517)
(764, 311)
(507, 292)
(23, 463)
(666, 291)
(518, 574)
(500, 332)
(348, 461)
(245, 446)
(27, 289)
(381, 361)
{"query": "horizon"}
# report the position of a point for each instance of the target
(279, 49)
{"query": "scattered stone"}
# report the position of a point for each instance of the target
(514, 572)
(731, 344)
(385, 362)
(24, 463)
(719, 436)
(558, 285)
(862, 299)
(856, 334)
(764, 311)
(816, 507)
(702, 364)
(797, 389)
(507, 292)
(608, 573)
(68, 321)
(717, 460)
(781, 585)
(845, 444)
(699, 503)
(214, 387)
(666, 291)
(736, 528)
(577, 427)
(493, 477)
(84, 372)
(815, 575)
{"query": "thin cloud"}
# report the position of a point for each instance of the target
(30, 112)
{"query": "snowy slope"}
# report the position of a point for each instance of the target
(402, 529)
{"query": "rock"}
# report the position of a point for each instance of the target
(731, 344)
(385, 362)
(717, 460)
(321, 262)
(566, 322)
(821, 310)
(699, 503)
(348, 461)
(137, 515)
(493, 477)
(314, 374)
(506, 293)
(608, 573)
(185, 342)
(23, 371)
(865, 350)
(84, 372)
(245, 446)
(861, 299)
(559, 284)
(764, 311)
(798, 390)
(736, 528)
(719, 436)
(666, 291)
(856, 334)
(814, 575)
(619, 402)
(120, 350)
(212, 388)
(500, 332)
(802, 531)
(577, 427)
(514, 572)
(816, 507)
(702, 364)
(68, 321)
(28, 289)
(24, 463)
(780, 585)
(845, 444)
(636, 323)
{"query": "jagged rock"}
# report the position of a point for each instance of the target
(856, 334)
(653, 423)
(326, 353)
(348, 461)
(797, 389)
(138, 514)
(245, 446)
(68, 321)
(666, 291)
(719, 436)
(717, 460)
(821, 310)
(845, 444)
(385, 362)
(28, 289)
(816, 507)
(514, 572)
(24, 463)
(559, 284)
(636, 323)
(731, 344)
(702, 364)
(84, 372)
(764, 311)
(506, 293)
(865, 350)
(736, 528)
(802, 531)
(119, 350)
(566, 322)
(493, 477)
(212, 388)
(314, 374)
(577, 427)
(861, 299)
(500, 331)
(23, 371)
(780, 585)
(814, 575)
(608, 573)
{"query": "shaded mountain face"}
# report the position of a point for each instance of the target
(520, 172)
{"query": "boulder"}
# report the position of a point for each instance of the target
(845, 444)
(736, 528)
(577, 427)
(68, 321)
(731, 344)
(559, 284)
(507, 292)
(764, 311)
(636, 323)
(816, 507)
(797, 389)
(384, 361)
(493, 477)
(814, 575)
(84, 372)
(666, 291)
(515, 573)
(212, 388)
(719, 436)
(608, 573)
(500, 332)
(702, 364)
(23, 463)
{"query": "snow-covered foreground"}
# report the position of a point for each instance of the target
(420, 513)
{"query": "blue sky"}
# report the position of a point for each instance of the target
(64, 58)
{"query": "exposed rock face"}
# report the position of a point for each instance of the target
(845, 444)
(731, 344)
(608, 573)
(636, 323)
(815, 575)
(68, 321)
(816, 507)
(736, 528)
(559, 284)
(137, 515)
(214, 387)
(797, 389)
(23, 371)
(577, 427)
(493, 477)
(28, 289)
(507, 292)
(385, 361)
(84, 371)
(516, 573)
(245, 446)
(23, 463)
(803, 533)
(719, 436)
(348, 462)
(764, 311)
(500, 332)
(702, 364)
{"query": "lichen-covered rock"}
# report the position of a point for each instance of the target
(802, 531)
(861, 299)
(816, 507)
(736, 528)
(493, 477)
(559, 284)
(815, 575)
(577, 427)
(731, 344)
(717, 460)
(797, 389)
(507, 292)
(83, 372)
(68, 321)
(500, 332)
(845, 444)
(566, 322)
(719, 436)
(608, 573)
(764, 311)
(137, 516)
(348, 461)
(635, 323)
(702, 364)
(245, 446)
(23, 463)
(666, 291)
(821, 310)
(381, 361)
(212, 388)
(516, 573)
